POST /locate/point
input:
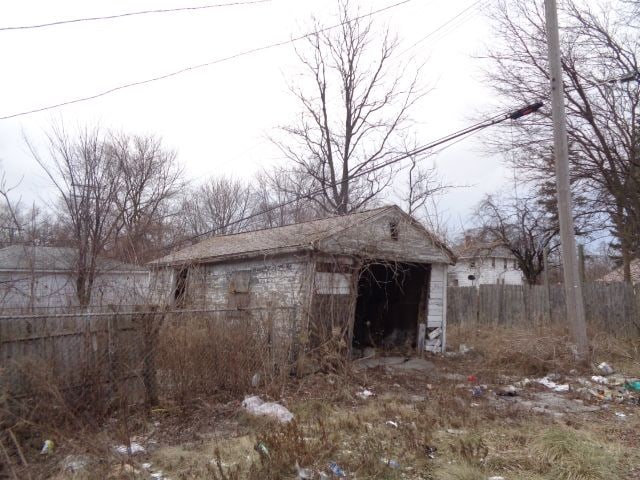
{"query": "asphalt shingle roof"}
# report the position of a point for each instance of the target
(271, 240)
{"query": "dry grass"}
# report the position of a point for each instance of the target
(540, 350)
(198, 437)
(202, 356)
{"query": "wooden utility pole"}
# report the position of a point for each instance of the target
(572, 284)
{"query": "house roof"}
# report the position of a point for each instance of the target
(38, 258)
(484, 250)
(617, 275)
(288, 238)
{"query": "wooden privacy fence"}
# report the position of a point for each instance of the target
(121, 353)
(74, 351)
(610, 307)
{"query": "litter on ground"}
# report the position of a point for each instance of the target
(256, 406)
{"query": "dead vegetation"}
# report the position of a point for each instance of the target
(419, 424)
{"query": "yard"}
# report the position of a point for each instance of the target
(440, 417)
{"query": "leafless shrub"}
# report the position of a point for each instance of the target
(215, 355)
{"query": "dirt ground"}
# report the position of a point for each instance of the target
(482, 414)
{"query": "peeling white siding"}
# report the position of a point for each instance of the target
(487, 270)
(437, 309)
(39, 290)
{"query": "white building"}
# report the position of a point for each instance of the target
(43, 277)
(484, 265)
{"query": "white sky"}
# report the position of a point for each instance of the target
(217, 118)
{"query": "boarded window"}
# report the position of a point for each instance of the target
(505, 263)
(239, 284)
(393, 230)
(493, 262)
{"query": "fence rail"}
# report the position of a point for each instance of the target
(610, 307)
(127, 352)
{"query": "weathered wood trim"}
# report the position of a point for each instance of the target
(444, 309)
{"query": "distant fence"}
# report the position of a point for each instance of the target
(141, 354)
(610, 307)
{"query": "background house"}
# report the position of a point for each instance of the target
(375, 278)
(617, 275)
(37, 277)
(480, 264)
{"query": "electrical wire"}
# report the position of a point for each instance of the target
(201, 65)
(445, 24)
(131, 14)
(465, 132)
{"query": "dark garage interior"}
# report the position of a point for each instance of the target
(388, 308)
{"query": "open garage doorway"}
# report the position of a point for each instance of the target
(391, 303)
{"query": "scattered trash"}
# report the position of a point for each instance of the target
(472, 379)
(599, 379)
(605, 368)
(431, 451)
(157, 475)
(391, 423)
(390, 462)
(47, 447)
(146, 466)
(455, 431)
(478, 391)
(495, 478)
(508, 391)
(323, 476)
(621, 414)
(257, 406)
(336, 470)
(304, 473)
(262, 450)
(523, 383)
(75, 463)
(134, 448)
(255, 380)
(464, 349)
(364, 394)
(549, 382)
(633, 385)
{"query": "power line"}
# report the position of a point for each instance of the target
(467, 131)
(201, 65)
(131, 14)
(443, 25)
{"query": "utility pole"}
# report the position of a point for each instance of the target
(572, 283)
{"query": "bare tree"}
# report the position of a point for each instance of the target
(10, 215)
(358, 102)
(282, 197)
(88, 180)
(521, 225)
(600, 64)
(218, 206)
(150, 179)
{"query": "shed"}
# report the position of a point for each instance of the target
(33, 276)
(377, 278)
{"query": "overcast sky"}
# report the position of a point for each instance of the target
(218, 118)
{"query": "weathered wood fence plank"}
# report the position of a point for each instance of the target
(613, 307)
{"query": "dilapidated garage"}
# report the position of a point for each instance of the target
(375, 278)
